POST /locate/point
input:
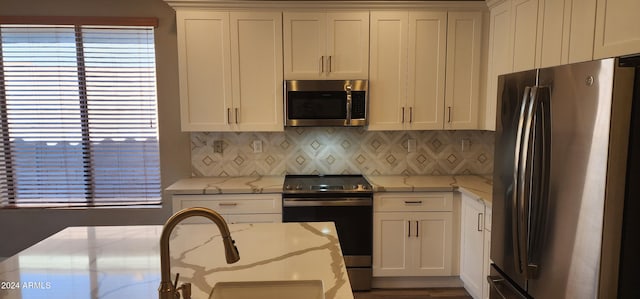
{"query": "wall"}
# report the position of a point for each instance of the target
(25, 227)
(340, 150)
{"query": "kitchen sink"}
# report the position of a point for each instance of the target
(287, 289)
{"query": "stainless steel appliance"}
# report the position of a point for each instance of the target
(566, 182)
(325, 103)
(347, 201)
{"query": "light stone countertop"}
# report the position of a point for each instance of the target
(476, 186)
(107, 262)
(227, 185)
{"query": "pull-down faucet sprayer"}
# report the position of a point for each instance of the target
(168, 290)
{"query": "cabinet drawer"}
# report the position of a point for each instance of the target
(413, 201)
(253, 218)
(232, 203)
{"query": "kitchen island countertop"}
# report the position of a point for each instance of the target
(124, 261)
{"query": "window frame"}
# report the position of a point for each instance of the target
(13, 201)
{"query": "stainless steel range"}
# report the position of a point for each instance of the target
(347, 200)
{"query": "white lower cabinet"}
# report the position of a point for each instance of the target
(474, 246)
(235, 208)
(413, 234)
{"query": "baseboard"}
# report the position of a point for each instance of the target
(417, 282)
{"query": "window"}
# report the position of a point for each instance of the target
(78, 116)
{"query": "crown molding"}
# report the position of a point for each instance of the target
(293, 4)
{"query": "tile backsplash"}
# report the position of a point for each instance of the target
(339, 150)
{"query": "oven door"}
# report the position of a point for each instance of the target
(353, 218)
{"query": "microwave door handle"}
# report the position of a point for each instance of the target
(515, 223)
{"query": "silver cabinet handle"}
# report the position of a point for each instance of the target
(409, 224)
(417, 229)
(237, 121)
(403, 115)
(228, 204)
(330, 62)
(480, 222)
(449, 112)
(322, 64)
(408, 202)
(228, 116)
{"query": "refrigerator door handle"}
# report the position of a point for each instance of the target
(538, 148)
(517, 173)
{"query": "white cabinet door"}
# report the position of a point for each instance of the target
(388, 73)
(553, 34)
(407, 70)
(524, 21)
(499, 57)
(487, 251)
(582, 24)
(304, 45)
(472, 245)
(205, 70)
(463, 70)
(256, 56)
(230, 67)
(391, 244)
(412, 244)
(432, 255)
(413, 234)
(320, 45)
(347, 45)
(617, 28)
(427, 63)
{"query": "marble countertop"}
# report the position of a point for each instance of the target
(227, 185)
(476, 186)
(124, 261)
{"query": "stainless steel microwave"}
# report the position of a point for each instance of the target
(325, 103)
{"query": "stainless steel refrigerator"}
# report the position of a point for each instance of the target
(565, 204)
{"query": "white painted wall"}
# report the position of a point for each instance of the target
(22, 228)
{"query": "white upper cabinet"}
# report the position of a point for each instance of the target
(539, 33)
(425, 68)
(427, 64)
(230, 67)
(326, 45)
(617, 28)
(462, 91)
(524, 21)
(407, 70)
(499, 52)
(204, 60)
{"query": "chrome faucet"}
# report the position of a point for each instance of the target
(168, 290)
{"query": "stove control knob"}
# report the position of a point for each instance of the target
(359, 187)
(298, 187)
(287, 187)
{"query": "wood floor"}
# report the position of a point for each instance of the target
(445, 293)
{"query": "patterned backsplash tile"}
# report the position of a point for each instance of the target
(338, 150)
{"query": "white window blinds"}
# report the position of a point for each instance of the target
(78, 116)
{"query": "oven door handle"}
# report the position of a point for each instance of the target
(323, 202)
